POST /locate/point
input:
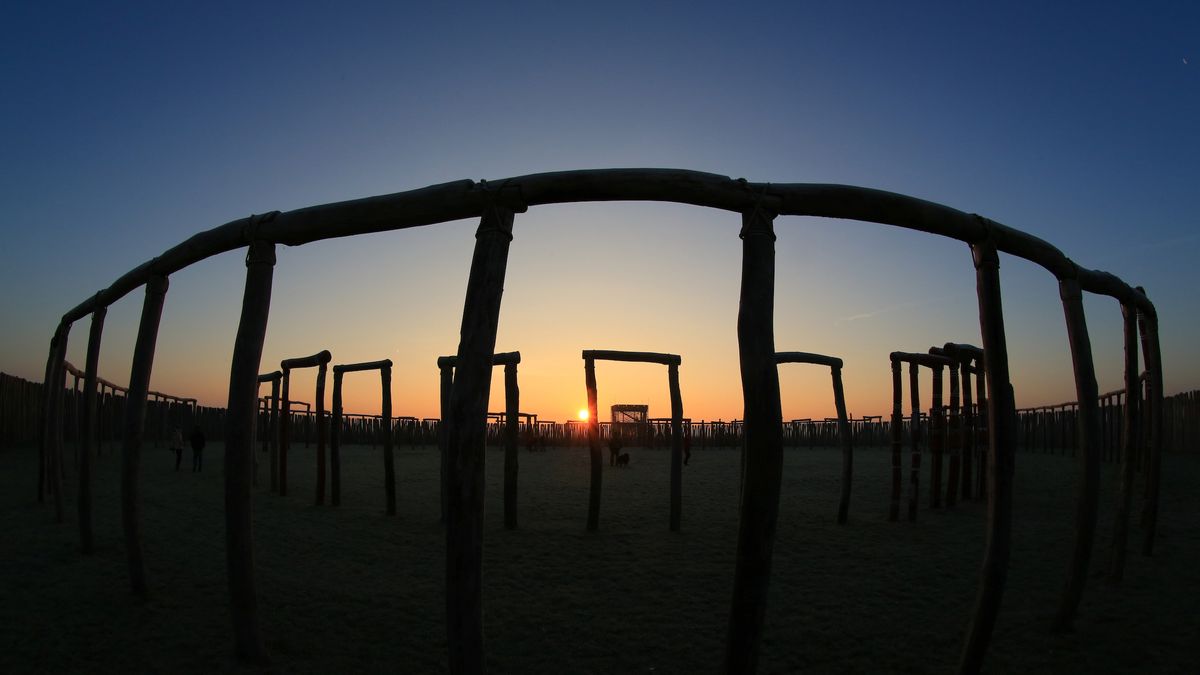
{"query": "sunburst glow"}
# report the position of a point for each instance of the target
(583, 414)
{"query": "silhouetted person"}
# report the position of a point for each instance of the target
(197, 450)
(177, 446)
(687, 448)
(614, 449)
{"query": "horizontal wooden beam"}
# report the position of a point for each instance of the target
(366, 365)
(806, 357)
(273, 376)
(319, 359)
(927, 360)
(632, 357)
(498, 359)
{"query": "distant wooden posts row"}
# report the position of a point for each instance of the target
(320, 361)
(672, 362)
(839, 402)
(512, 415)
(335, 457)
(936, 430)
(275, 377)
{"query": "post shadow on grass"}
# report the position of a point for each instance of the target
(672, 362)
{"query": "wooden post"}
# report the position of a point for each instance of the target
(320, 427)
(839, 402)
(273, 432)
(1129, 446)
(1002, 415)
(135, 421)
(44, 428)
(982, 388)
(937, 438)
(468, 434)
(969, 432)
(285, 427)
(897, 440)
(239, 451)
(447, 384)
(914, 440)
(676, 446)
(1087, 499)
(593, 432)
(512, 407)
(1148, 326)
(763, 433)
(88, 429)
(55, 447)
(954, 433)
(335, 442)
(389, 456)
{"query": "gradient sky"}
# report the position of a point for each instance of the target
(127, 129)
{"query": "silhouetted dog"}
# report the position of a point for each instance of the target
(623, 459)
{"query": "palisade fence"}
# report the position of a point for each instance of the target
(1043, 429)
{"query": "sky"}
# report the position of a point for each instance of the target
(130, 126)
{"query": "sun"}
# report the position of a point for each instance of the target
(583, 414)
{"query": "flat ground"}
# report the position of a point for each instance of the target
(350, 589)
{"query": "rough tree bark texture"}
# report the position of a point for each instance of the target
(512, 407)
(468, 409)
(1131, 435)
(839, 402)
(1002, 415)
(897, 441)
(589, 375)
(763, 450)
(239, 451)
(676, 447)
(88, 428)
(1087, 498)
(135, 422)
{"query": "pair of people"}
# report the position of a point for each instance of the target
(197, 440)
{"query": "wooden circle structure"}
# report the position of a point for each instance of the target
(512, 416)
(320, 361)
(275, 377)
(495, 203)
(936, 437)
(335, 457)
(839, 402)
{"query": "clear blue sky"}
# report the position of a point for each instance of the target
(126, 129)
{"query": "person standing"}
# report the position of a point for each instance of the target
(177, 446)
(197, 449)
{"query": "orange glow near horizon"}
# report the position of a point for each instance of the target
(583, 414)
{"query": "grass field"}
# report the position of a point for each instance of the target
(350, 589)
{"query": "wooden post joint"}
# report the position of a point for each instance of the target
(260, 253)
(251, 227)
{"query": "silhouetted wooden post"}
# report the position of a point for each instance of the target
(44, 428)
(389, 452)
(969, 432)
(839, 402)
(55, 443)
(897, 439)
(272, 426)
(1088, 420)
(335, 441)
(937, 438)
(954, 433)
(1002, 414)
(914, 440)
(443, 436)
(135, 420)
(512, 407)
(763, 433)
(320, 425)
(468, 433)
(88, 429)
(676, 446)
(239, 450)
(285, 427)
(1129, 445)
(593, 432)
(1148, 327)
(982, 388)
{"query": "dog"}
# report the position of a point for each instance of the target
(623, 459)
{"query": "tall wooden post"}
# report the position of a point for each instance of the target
(274, 434)
(239, 450)
(1002, 414)
(914, 440)
(593, 432)
(55, 447)
(135, 421)
(335, 442)
(954, 433)
(88, 428)
(982, 387)
(44, 428)
(839, 402)
(937, 439)
(969, 432)
(321, 422)
(897, 440)
(1131, 431)
(1148, 326)
(1087, 498)
(443, 435)
(676, 446)
(512, 407)
(285, 428)
(468, 433)
(389, 455)
(763, 432)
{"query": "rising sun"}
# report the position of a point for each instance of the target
(583, 415)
